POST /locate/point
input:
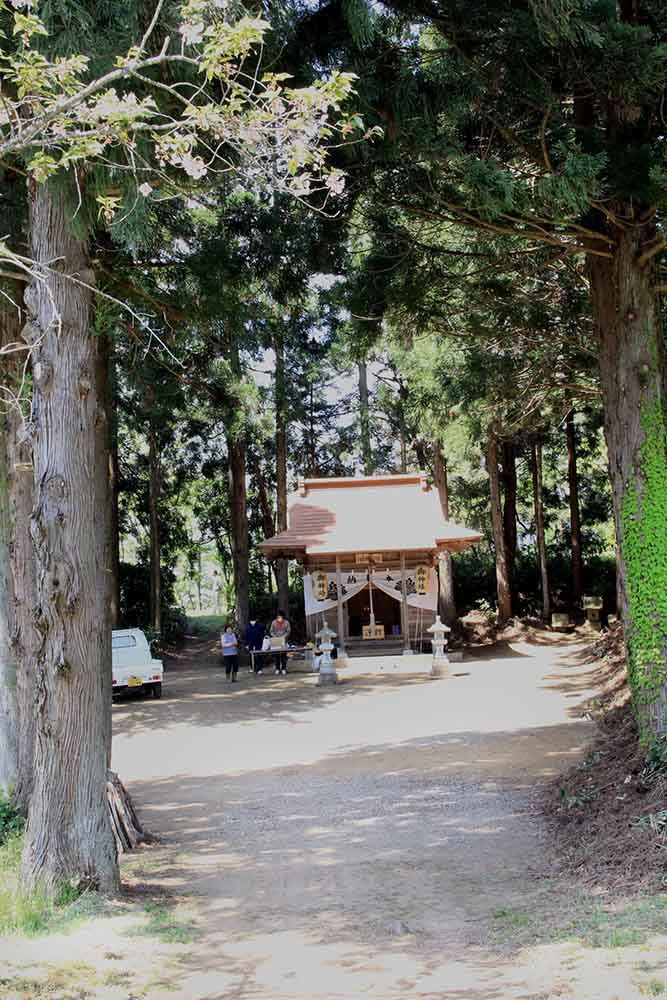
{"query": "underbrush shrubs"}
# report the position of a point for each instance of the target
(32, 912)
(11, 821)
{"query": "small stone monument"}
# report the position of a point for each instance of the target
(440, 663)
(328, 673)
(593, 608)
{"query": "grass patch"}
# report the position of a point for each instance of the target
(206, 624)
(34, 913)
(61, 981)
(583, 922)
(511, 918)
(654, 988)
(165, 925)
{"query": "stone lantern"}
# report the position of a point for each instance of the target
(440, 663)
(328, 673)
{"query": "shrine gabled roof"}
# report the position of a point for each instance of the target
(398, 513)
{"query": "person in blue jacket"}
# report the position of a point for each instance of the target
(253, 638)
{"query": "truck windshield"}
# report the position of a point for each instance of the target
(122, 641)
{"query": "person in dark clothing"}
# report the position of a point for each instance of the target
(253, 638)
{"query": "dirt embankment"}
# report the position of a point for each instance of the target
(610, 811)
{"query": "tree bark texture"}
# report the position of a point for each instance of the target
(446, 602)
(21, 583)
(281, 565)
(8, 668)
(538, 498)
(509, 481)
(68, 835)
(575, 520)
(632, 370)
(502, 576)
(114, 553)
(154, 514)
(365, 420)
(104, 503)
(236, 449)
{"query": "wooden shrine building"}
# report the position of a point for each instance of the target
(369, 550)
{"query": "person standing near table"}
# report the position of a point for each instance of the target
(254, 637)
(280, 629)
(230, 652)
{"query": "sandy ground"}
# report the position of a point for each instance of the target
(362, 840)
(378, 839)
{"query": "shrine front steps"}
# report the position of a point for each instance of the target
(374, 647)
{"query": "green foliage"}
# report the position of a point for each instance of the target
(644, 523)
(11, 821)
(36, 912)
(655, 765)
(134, 601)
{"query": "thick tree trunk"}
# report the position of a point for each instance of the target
(502, 577)
(114, 552)
(154, 514)
(446, 602)
(281, 565)
(538, 499)
(575, 521)
(239, 525)
(68, 834)
(104, 503)
(312, 436)
(508, 457)
(365, 420)
(8, 670)
(632, 372)
(24, 637)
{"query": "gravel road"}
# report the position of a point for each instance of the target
(357, 840)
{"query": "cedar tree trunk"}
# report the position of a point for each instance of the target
(575, 521)
(68, 835)
(236, 449)
(502, 577)
(508, 457)
(24, 637)
(114, 553)
(446, 603)
(364, 420)
(539, 529)
(628, 322)
(8, 668)
(154, 512)
(281, 565)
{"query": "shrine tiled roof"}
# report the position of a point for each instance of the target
(398, 513)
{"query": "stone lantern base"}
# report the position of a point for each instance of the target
(327, 676)
(440, 666)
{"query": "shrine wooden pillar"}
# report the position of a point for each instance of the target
(405, 616)
(339, 610)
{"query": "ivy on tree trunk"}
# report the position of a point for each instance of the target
(632, 372)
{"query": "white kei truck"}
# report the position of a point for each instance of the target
(133, 667)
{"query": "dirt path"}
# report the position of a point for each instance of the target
(364, 840)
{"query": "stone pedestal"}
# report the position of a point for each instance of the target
(440, 662)
(440, 666)
(327, 673)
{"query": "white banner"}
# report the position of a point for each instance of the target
(388, 581)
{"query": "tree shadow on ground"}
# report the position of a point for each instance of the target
(306, 871)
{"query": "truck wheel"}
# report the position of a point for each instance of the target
(157, 690)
